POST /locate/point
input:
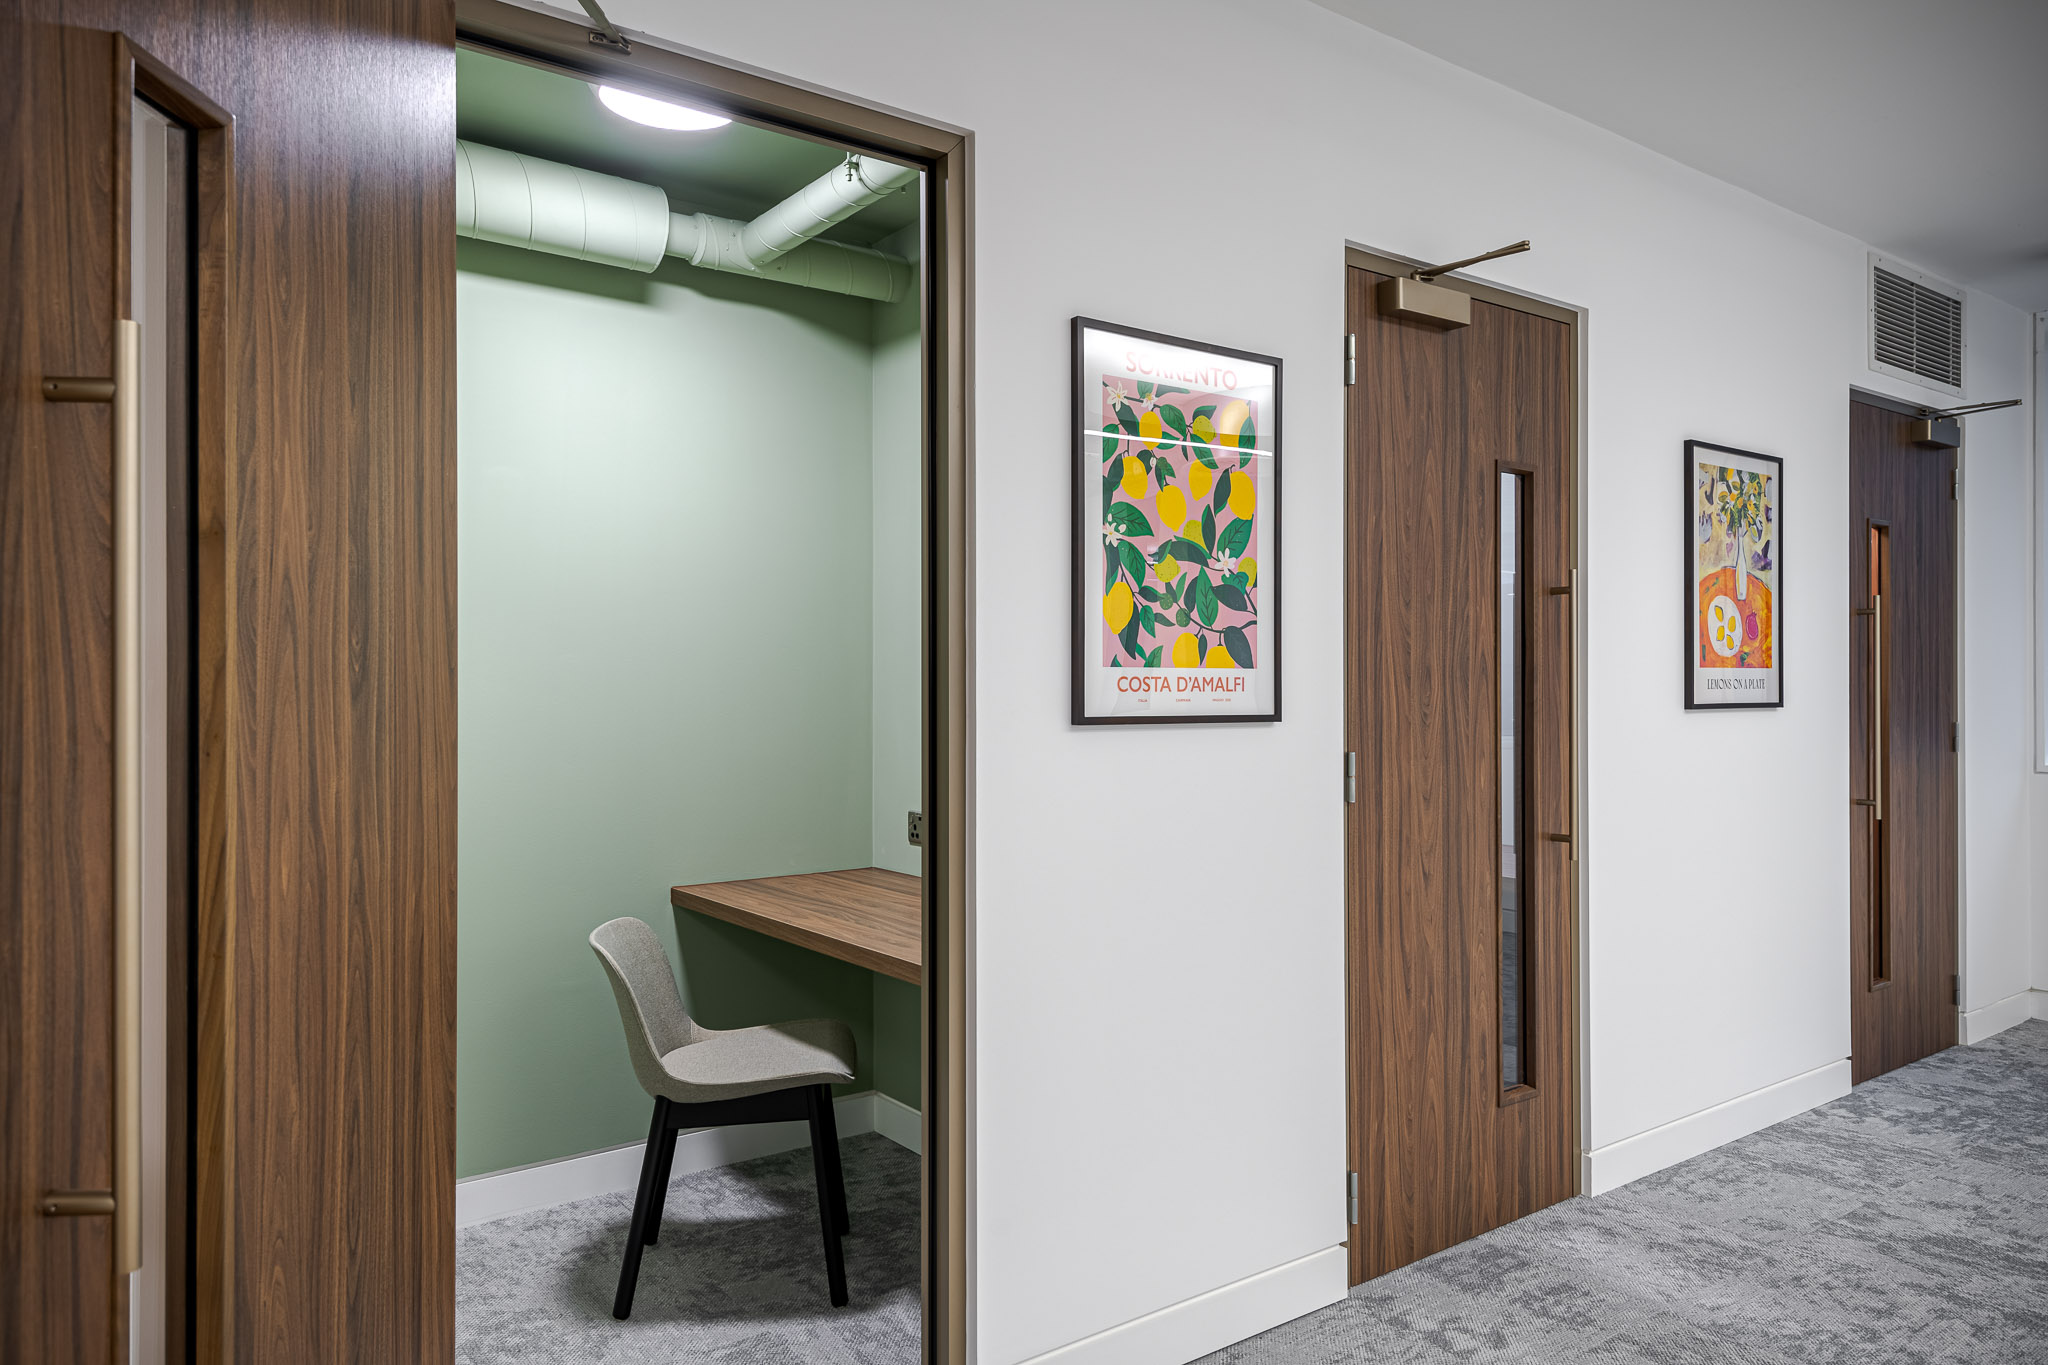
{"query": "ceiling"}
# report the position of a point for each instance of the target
(1919, 126)
(735, 171)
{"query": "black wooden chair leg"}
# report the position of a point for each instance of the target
(835, 1264)
(838, 1171)
(661, 1174)
(629, 1272)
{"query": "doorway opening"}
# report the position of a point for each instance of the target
(1904, 850)
(1461, 854)
(710, 542)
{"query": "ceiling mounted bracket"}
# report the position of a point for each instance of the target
(606, 34)
(1419, 298)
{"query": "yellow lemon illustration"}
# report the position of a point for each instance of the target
(1187, 652)
(1203, 430)
(1134, 477)
(1168, 569)
(1117, 607)
(1200, 479)
(1191, 531)
(1150, 429)
(1230, 422)
(1250, 568)
(1242, 496)
(1219, 657)
(1173, 506)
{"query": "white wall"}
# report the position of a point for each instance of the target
(1159, 1031)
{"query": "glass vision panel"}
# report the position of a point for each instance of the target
(1513, 1066)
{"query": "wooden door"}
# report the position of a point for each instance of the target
(321, 1218)
(1902, 744)
(60, 245)
(1458, 708)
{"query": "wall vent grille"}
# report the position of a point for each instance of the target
(1916, 326)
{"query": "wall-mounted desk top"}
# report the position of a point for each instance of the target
(865, 915)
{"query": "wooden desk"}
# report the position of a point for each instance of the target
(866, 916)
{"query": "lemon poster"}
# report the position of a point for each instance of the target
(1735, 579)
(1176, 534)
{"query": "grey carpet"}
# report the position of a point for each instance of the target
(738, 1277)
(1907, 1221)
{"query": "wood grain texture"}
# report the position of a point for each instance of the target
(868, 916)
(57, 308)
(1442, 1153)
(326, 538)
(1908, 488)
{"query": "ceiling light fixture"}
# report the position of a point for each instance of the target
(658, 113)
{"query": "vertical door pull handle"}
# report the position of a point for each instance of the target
(127, 1191)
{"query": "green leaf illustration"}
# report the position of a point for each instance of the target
(1232, 596)
(1152, 659)
(1110, 441)
(1128, 520)
(1162, 471)
(1172, 593)
(1128, 638)
(1240, 648)
(1247, 439)
(1186, 550)
(1235, 537)
(1109, 567)
(1175, 421)
(1151, 594)
(1165, 389)
(1240, 579)
(1145, 620)
(1207, 410)
(1209, 527)
(1144, 389)
(1133, 559)
(1126, 419)
(1205, 601)
(1221, 496)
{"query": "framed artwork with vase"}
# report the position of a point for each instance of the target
(1734, 578)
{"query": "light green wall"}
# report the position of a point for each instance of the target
(898, 712)
(666, 666)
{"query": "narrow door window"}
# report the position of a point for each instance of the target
(1514, 900)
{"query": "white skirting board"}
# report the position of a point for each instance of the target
(482, 1198)
(1208, 1322)
(1610, 1167)
(2000, 1015)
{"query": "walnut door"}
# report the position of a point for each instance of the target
(1458, 710)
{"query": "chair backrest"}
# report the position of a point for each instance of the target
(650, 1006)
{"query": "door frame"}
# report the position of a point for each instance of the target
(1574, 317)
(946, 155)
(1906, 407)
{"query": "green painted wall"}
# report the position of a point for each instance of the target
(666, 666)
(897, 780)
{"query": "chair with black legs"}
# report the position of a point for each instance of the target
(703, 1078)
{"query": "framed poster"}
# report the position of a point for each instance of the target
(1734, 578)
(1176, 530)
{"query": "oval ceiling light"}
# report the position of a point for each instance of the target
(658, 113)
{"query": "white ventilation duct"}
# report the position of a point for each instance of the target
(524, 201)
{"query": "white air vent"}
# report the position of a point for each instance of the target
(1916, 326)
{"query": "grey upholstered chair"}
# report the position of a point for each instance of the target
(704, 1078)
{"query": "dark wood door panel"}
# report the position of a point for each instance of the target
(1903, 848)
(57, 1291)
(325, 494)
(1434, 418)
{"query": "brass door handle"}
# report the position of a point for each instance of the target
(75, 1203)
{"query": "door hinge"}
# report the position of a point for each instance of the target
(1353, 1183)
(1955, 484)
(1350, 778)
(1350, 359)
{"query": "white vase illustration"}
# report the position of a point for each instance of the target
(1741, 572)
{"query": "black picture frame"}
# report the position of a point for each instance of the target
(1084, 475)
(1689, 581)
